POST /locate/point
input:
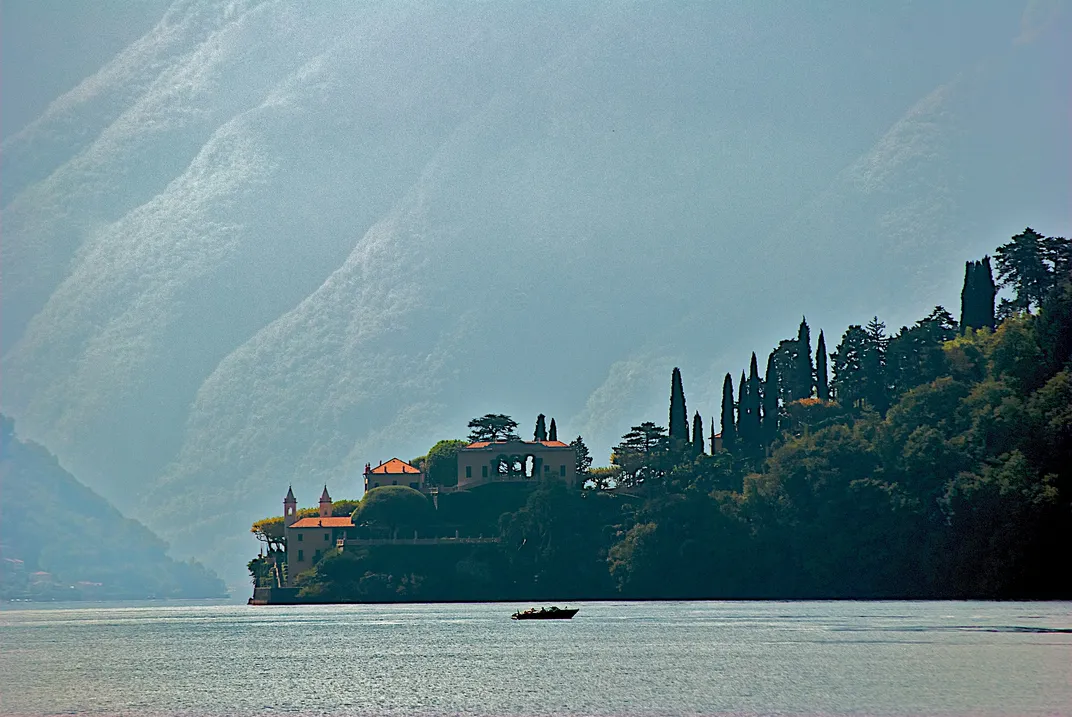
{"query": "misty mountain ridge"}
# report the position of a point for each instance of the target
(265, 246)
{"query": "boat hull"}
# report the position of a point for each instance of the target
(546, 615)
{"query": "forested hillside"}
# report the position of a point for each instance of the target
(268, 242)
(935, 462)
(60, 540)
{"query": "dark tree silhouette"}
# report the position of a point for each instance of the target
(584, 458)
(729, 428)
(552, 433)
(822, 386)
(697, 435)
(770, 401)
(540, 433)
(679, 423)
(804, 376)
(493, 427)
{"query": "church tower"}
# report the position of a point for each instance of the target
(325, 504)
(290, 508)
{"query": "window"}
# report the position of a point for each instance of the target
(415, 486)
(562, 471)
(483, 471)
(327, 537)
(394, 482)
(301, 555)
(468, 471)
(316, 557)
(301, 536)
(546, 468)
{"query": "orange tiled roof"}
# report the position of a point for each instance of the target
(547, 444)
(395, 465)
(315, 522)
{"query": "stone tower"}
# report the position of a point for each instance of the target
(325, 504)
(290, 508)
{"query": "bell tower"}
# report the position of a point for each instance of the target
(290, 508)
(325, 504)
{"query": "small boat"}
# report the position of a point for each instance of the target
(545, 613)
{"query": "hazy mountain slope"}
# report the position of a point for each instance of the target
(50, 522)
(319, 238)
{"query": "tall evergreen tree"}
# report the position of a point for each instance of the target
(822, 386)
(985, 295)
(742, 403)
(679, 417)
(1022, 265)
(770, 400)
(805, 373)
(697, 435)
(552, 433)
(977, 296)
(729, 428)
(540, 434)
(874, 366)
(753, 398)
(967, 298)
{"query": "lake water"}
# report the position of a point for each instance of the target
(734, 658)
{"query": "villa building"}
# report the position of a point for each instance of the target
(515, 461)
(309, 538)
(394, 472)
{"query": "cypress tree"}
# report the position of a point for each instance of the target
(697, 435)
(985, 294)
(679, 422)
(967, 298)
(770, 401)
(822, 385)
(713, 436)
(742, 403)
(729, 430)
(754, 396)
(540, 434)
(552, 434)
(805, 373)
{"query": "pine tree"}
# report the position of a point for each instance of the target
(679, 425)
(552, 434)
(584, 458)
(822, 386)
(1022, 265)
(770, 401)
(805, 373)
(540, 433)
(697, 435)
(729, 429)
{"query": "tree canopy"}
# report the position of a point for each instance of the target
(493, 427)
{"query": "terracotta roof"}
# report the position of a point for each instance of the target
(315, 522)
(546, 444)
(395, 465)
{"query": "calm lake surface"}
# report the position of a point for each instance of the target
(735, 658)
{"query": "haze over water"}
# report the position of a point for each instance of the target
(744, 658)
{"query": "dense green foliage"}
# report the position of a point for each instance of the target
(393, 507)
(441, 463)
(936, 463)
(493, 427)
(60, 540)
